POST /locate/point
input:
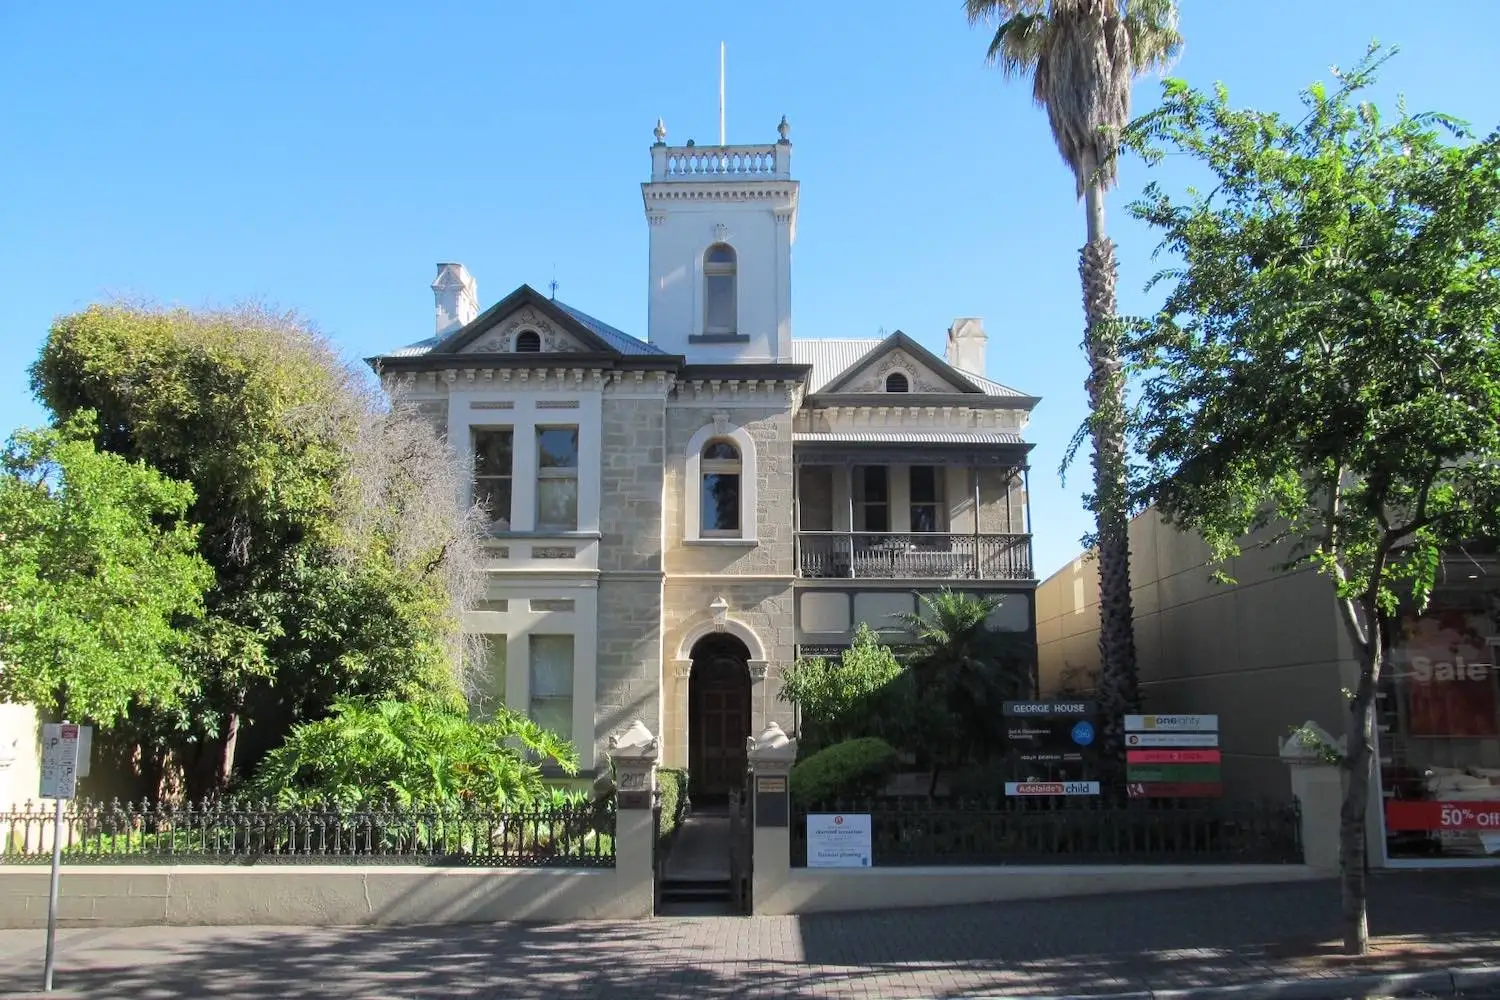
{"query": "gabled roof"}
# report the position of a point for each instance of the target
(835, 362)
(594, 334)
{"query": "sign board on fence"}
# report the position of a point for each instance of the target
(1175, 790)
(1172, 757)
(839, 840)
(1051, 741)
(1171, 740)
(1052, 788)
(1171, 723)
(59, 760)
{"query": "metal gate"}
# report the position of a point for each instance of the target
(741, 847)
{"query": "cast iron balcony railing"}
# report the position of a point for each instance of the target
(883, 555)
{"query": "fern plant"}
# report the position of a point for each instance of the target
(412, 754)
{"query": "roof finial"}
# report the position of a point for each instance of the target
(660, 132)
(552, 286)
(783, 129)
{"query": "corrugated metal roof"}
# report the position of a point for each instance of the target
(831, 358)
(618, 339)
(415, 350)
(874, 436)
(615, 338)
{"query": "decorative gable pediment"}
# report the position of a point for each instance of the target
(923, 371)
(502, 337)
(873, 376)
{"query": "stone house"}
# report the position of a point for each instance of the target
(677, 518)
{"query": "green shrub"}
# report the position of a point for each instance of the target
(849, 769)
(672, 781)
(847, 698)
(413, 753)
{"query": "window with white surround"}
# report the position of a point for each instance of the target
(719, 266)
(551, 676)
(557, 478)
(493, 455)
(720, 501)
(489, 693)
(720, 475)
(927, 509)
(528, 342)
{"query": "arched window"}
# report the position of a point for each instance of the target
(720, 498)
(720, 471)
(528, 342)
(897, 382)
(718, 290)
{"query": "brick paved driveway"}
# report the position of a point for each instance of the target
(1094, 945)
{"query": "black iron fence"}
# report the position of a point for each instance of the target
(1032, 832)
(233, 831)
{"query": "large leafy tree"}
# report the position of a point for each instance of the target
(855, 696)
(98, 571)
(1082, 57)
(341, 560)
(1326, 370)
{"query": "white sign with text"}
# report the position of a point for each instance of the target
(839, 840)
(59, 760)
(1171, 723)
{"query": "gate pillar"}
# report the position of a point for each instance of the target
(771, 756)
(634, 753)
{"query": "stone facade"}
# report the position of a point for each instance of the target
(632, 489)
(629, 656)
(771, 430)
(761, 609)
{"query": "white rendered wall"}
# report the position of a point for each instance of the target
(761, 232)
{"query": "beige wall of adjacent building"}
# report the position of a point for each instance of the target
(1266, 653)
(20, 755)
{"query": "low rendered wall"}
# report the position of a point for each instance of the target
(814, 890)
(313, 895)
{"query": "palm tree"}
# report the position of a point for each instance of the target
(964, 670)
(1082, 57)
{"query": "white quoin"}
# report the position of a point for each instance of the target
(966, 344)
(456, 294)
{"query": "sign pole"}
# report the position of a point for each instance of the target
(57, 834)
(60, 782)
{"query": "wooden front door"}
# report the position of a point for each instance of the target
(718, 723)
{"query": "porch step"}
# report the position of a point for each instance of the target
(695, 890)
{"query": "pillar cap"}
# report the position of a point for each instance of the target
(1310, 743)
(772, 744)
(634, 742)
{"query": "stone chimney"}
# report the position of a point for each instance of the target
(966, 340)
(457, 296)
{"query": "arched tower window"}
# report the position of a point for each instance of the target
(719, 266)
(720, 472)
(897, 382)
(528, 342)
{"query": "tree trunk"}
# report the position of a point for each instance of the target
(1119, 690)
(1360, 758)
(231, 739)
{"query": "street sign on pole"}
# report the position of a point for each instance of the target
(59, 782)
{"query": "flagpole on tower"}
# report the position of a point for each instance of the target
(721, 94)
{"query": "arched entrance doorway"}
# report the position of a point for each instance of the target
(718, 717)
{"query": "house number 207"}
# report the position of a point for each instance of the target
(633, 781)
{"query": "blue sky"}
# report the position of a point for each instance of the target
(322, 157)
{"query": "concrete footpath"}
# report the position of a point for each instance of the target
(1156, 943)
